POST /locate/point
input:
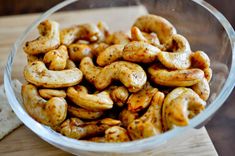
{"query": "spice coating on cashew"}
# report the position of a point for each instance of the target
(202, 88)
(119, 95)
(131, 75)
(49, 93)
(127, 117)
(49, 39)
(37, 74)
(78, 51)
(118, 38)
(116, 134)
(51, 112)
(200, 60)
(208, 74)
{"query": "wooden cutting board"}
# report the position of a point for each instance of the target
(24, 142)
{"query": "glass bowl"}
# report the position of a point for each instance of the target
(204, 27)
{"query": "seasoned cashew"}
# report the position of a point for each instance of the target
(83, 113)
(184, 77)
(127, 117)
(76, 128)
(159, 25)
(49, 39)
(131, 75)
(79, 51)
(32, 58)
(94, 102)
(37, 74)
(208, 74)
(116, 134)
(97, 48)
(70, 64)
(179, 106)
(119, 95)
(50, 93)
(150, 123)
(110, 55)
(200, 60)
(140, 52)
(177, 53)
(51, 112)
(141, 99)
(118, 38)
(56, 59)
(202, 88)
(103, 27)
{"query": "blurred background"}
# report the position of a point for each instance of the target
(221, 128)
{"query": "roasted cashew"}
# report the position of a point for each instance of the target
(177, 53)
(176, 78)
(32, 58)
(83, 113)
(118, 38)
(110, 55)
(49, 39)
(103, 27)
(97, 48)
(150, 123)
(208, 74)
(159, 25)
(51, 112)
(179, 106)
(56, 59)
(141, 99)
(119, 95)
(94, 102)
(140, 52)
(37, 74)
(116, 134)
(79, 51)
(131, 75)
(70, 64)
(127, 117)
(200, 60)
(50, 93)
(202, 88)
(76, 128)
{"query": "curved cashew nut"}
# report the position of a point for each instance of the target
(51, 112)
(56, 59)
(150, 123)
(79, 51)
(37, 74)
(140, 52)
(76, 128)
(208, 74)
(110, 55)
(185, 77)
(119, 95)
(127, 117)
(70, 64)
(49, 39)
(141, 99)
(202, 88)
(116, 134)
(200, 60)
(94, 102)
(131, 75)
(97, 48)
(159, 25)
(179, 106)
(50, 93)
(83, 113)
(177, 53)
(118, 38)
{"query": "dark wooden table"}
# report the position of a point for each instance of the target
(221, 128)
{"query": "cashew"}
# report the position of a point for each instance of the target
(177, 54)
(141, 99)
(150, 123)
(79, 51)
(119, 95)
(159, 25)
(97, 139)
(184, 77)
(117, 38)
(56, 59)
(32, 58)
(127, 117)
(69, 35)
(70, 64)
(76, 128)
(97, 48)
(131, 75)
(37, 74)
(110, 55)
(202, 88)
(103, 27)
(179, 106)
(208, 74)
(83, 113)
(51, 112)
(94, 102)
(140, 52)
(116, 134)
(200, 60)
(50, 93)
(49, 39)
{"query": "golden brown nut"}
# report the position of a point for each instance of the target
(127, 117)
(131, 75)
(118, 38)
(37, 74)
(141, 99)
(97, 48)
(185, 77)
(116, 134)
(103, 27)
(140, 52)
(49, 39)
(70, 64)
(202, 88)
(94, 102)
(200, 60)
(97, 139)
(78, 51)
(208, 74)
(159, 25)
(56, 59)
(119, 95)
(84, 113)
(32, 58)
(50, 93)
(51, 112)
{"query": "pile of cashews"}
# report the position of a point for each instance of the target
(90, 84)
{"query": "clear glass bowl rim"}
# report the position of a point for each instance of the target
(61, 141)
